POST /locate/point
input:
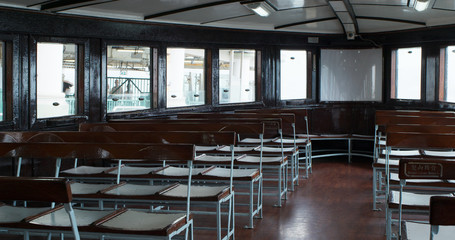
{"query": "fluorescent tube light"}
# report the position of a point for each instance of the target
(261, 8)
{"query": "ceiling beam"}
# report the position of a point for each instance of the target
(190, 8)
(392, 20)
(61, 5)
(305, 22)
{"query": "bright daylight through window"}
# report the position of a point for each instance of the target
(237, 76)
(56, 79)
(185, 79)
(128, 78)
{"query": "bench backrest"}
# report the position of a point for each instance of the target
(421, 128)
(415, 140)
(190, 137)
(253, 129)
(426, 168)
(287, 119)
(144, 152)
(35, 189)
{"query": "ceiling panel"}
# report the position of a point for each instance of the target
(209, 14)
(287, 4)
(381, 2)
(325, 27)
(371, 26)
(444, 4)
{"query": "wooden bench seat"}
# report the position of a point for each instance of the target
(79, 222)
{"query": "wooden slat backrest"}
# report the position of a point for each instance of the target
(287, 119)
(420, 113)
(191, 137)
(403, 119)
(253, 129)
(426, 168)
(144, 152)
(269, 123)
(420, 128)
(300, 115)
(414, 140)
(442, 210)
(35, 189)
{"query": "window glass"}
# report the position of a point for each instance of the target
(408, 73)
(56, 79)
(237, 75)
(449, 81)
(185, 79)
(128, 78)
(351, 74)
(2, 73)
(293, 74)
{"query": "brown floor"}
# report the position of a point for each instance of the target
(335, 203)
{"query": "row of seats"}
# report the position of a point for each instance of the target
(410, 148)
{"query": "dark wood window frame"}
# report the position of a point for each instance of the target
(83, 74)
(10, 81)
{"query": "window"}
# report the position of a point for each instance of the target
(185, 79)
(128, 78)
(351, 74)
(447, 79)
(56, 81)
(2, 84)
(293, 74)
(237, 75)
(406, 73)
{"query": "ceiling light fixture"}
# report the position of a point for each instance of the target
(261, 8)
(419, 5)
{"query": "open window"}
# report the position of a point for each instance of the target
(406, 79)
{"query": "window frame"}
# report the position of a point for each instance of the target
(258, 77)
(83, 74)
(441, 80)
(11, 73)
(393, 71)
(207, 78)
(310, 73)
(154, 87)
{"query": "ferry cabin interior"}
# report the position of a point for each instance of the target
(64, 62)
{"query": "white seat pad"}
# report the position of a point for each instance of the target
(128, 170)
(417, 231)
(255, 159)
(142, 221)
(82, 170)
(136, 190)
(226, 172)
(10, 214)
(196, 191)
(87, 188)
(60, 218)
(177, 171)
(414, 199)
(439, 153)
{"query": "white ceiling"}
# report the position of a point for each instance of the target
(306, 16)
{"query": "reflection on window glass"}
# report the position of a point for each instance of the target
(408, 73)
(293, 74)
(449, 89)
(237, 75)
(2, 88)
(56, 80)
(185, 77)
(128, 78)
